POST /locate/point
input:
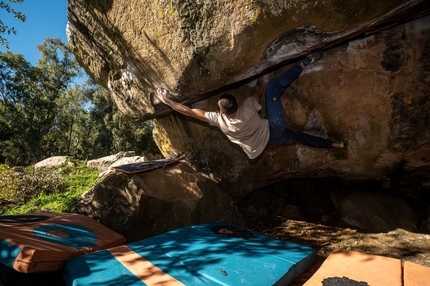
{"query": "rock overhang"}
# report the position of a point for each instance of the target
(197, 49)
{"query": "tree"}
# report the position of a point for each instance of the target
(114, 133)
(28, 99)
(4, 29)
(14, 70)
(42, 115)
(70, 124)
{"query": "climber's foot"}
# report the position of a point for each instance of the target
(314, 57)
(338, 144)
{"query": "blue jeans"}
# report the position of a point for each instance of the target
(279, 134)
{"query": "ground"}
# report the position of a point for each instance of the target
(400, 244)
(300, 211)
(332, 234)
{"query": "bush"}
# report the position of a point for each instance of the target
(36, 181)
(76, 179)
(8, 185)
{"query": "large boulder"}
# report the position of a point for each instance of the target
(197, 47)
(371, 89)
(371, 92)
(147, 204)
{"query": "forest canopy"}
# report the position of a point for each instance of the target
(44, 112)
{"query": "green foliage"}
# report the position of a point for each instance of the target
(112, 133)
(4, 29)
(42, 115)
(8, 185)
(70, 133)
(36, 181)
(77, 179)
(28, 99)
(342, 246)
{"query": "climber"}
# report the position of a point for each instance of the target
(244, 126)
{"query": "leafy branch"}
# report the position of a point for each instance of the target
(5, 29)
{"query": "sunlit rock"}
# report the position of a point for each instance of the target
(370, 90)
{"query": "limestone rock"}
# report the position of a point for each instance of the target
(143, 205)
(51, 162)
(196, 47)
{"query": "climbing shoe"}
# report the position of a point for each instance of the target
(339, 145)
(310, 59)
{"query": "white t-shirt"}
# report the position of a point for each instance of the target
(248, 129)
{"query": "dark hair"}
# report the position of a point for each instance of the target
(228, 103)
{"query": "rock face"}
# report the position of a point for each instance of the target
(371, 91)
(143, 205)
(194, 47)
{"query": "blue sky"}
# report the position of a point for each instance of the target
(45, 18)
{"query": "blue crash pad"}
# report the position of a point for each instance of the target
(209, 254)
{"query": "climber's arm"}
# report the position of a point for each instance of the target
(258, 90)
(185, 110)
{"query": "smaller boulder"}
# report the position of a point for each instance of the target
(128, 160)
(106, 162)
(374, 210)
(51, 162)
(146, 204)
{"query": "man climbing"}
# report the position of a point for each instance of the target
(244, 126)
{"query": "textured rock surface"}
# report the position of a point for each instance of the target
(194, 47)
(143, 205)
(106, 162)
(374, 210)
(372, 92)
